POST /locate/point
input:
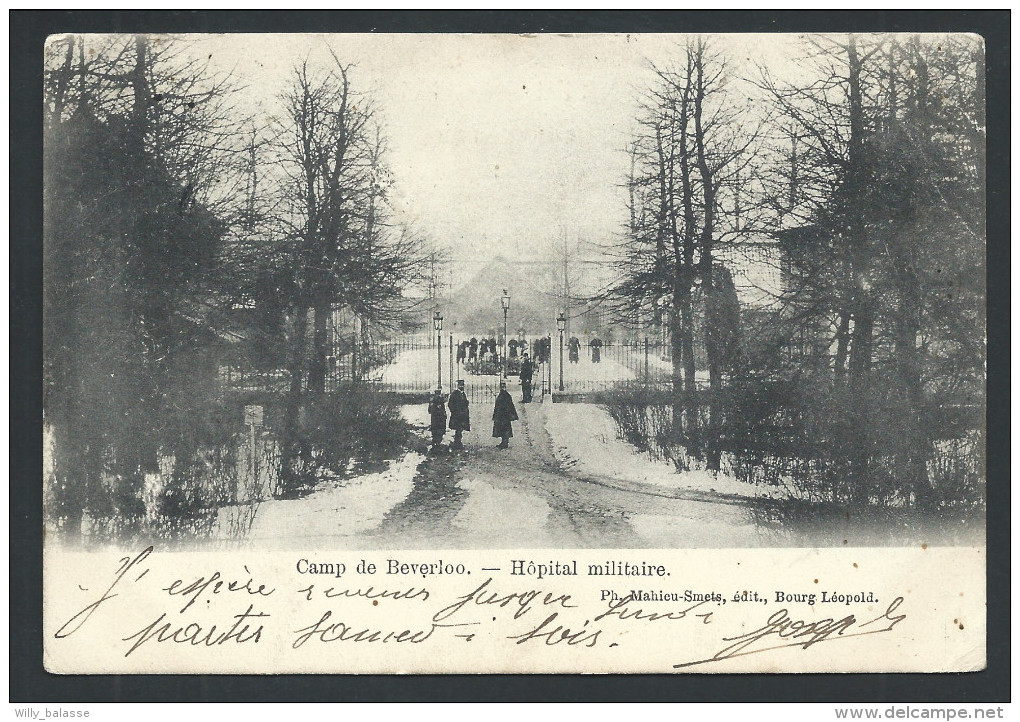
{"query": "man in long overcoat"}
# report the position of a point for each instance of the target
(460, 415)
(502, 414)
(437, 418)
(527, 374)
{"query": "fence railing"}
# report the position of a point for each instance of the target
(416, 365)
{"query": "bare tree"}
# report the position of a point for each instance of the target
(687, 196)
(339, 248)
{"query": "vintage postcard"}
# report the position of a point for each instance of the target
(455, 353)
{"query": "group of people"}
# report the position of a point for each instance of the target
(475, 349)
(488, 348)
(504, 413)
(542, 348)
(574, 350)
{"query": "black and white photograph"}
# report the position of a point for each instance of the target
(585, 356)
(370, 292)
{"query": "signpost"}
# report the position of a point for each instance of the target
(253, 418)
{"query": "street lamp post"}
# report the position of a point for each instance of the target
(561, 324)
(505, 302)
(664, 325)
(437, 324)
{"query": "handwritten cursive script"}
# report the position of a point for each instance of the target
(619, 608)
(520, 601)
(197, 635)
(154, 606)
(780, 626)
(127, 564)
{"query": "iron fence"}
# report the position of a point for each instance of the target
(416, 365)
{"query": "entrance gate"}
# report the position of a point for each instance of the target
(413, 365)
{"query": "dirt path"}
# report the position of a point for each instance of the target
(484, 497)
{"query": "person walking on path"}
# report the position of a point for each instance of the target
(502, 415)
(460, 415)
(527, 374)
(437, 418)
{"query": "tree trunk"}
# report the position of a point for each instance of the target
(862, 336)
(63, 81)
(908, 355)
(677, 353)
(690, 395)
(861, 343)
(842, 349)
(712, 346)
(722, 323)
(291, 442)
(913, 458)
(320, 349)
(142, 93)
(706, 262)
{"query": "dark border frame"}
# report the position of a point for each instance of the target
(28, 680)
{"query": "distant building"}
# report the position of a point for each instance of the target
(757, 270)
(811, 338)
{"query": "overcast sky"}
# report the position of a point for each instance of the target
(498, 143)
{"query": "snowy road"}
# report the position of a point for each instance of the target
(522, 498)
(579, 488)
(484, 497)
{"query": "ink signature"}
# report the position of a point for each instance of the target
(781, 631)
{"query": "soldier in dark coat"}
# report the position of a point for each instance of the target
(502, 415)
(596, 350)
(460, 415)
(462, 351)
(473, 349)
(575, 349)
(527, 374)
(437, 418)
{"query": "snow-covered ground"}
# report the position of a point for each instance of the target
(416, 370)
(585, 373)
(662, 365)
(415, 366)
(343, 508)
(346, 509)
(415, 414)
(619, 364)
(584, 439)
